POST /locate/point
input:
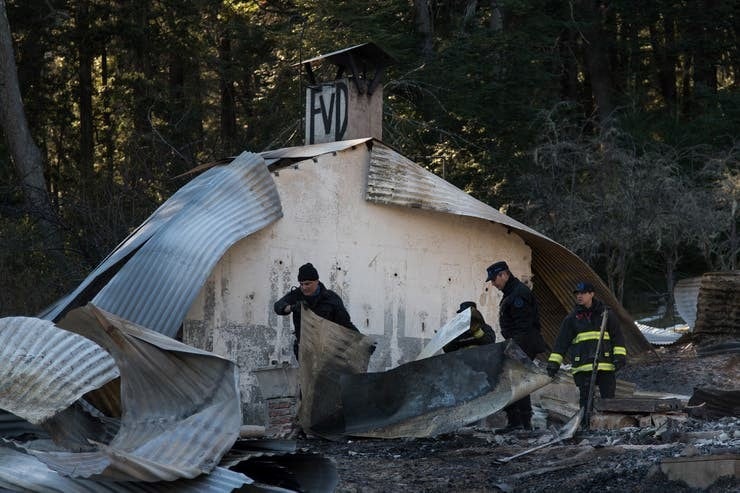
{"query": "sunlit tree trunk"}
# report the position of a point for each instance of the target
(107, 130)
(85, 52)
(228, 102)
(662, 40)
(24, 152)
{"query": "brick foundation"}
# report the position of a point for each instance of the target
(282, 417)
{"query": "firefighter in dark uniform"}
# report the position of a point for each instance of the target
(519, 320)
(579, 336)
(478, 334)
(322, 301)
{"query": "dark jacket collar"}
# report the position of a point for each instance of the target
(510, 284)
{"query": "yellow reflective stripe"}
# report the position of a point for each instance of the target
(589, 367)
(620, 350)
(478, 334)
(589, 336)
(557, 358)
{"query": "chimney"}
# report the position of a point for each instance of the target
(351, 105)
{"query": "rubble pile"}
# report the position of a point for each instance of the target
(638, 458)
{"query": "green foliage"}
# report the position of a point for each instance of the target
(502, 104)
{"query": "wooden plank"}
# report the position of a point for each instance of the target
(612, 421)
(659, 419)
(638, 405)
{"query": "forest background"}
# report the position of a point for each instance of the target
(609, 126)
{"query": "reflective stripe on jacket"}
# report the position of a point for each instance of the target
(579, 336)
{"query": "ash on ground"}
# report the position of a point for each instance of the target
(621, 460)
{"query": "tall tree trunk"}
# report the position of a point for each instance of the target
(85, 52)
(662, 47)
(228, 102)
(497, 17)
(597, 58)
(24, 152)
(107, 130)
(425, 26)
(705, 61)
(569, 67)
(671, 261)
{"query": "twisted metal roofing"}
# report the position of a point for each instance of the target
(396, 180)
(159, 269)
(181, 406)
(44, 370)
(23, 472)
(686, 294)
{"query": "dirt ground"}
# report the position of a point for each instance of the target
(624, 460)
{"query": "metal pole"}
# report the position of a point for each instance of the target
(590, 402)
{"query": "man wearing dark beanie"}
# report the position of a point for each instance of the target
(322, 301)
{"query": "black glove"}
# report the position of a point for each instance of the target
(552, 368)
(619, 362)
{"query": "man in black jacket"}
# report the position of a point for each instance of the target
(519, 320)
(478, 334)
(322, 301)
(579, 336)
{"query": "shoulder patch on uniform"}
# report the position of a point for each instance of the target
(518, 302)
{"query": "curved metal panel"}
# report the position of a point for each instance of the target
(157, 272)
(23, 472)
(439, 394)
(181, 406)
(396, 180)
(686, 294)
(44, 369)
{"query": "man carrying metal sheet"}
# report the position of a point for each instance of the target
(478, 334)
(322, 301)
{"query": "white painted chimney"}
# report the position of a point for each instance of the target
(351, 105)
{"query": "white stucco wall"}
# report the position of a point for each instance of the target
(401, 272)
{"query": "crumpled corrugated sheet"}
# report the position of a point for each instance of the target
(459, 324)
(440, 394)
(180, 406)
(327, 352)
(154, 275)
(23, 472)
(44, 370)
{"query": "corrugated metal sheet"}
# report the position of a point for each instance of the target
(13, 426)
(23, 472)
(309, 151)
(718, 308)
(327, 351)
(181, 406)
(394, 179)
(686, 294)
(459, 324)
(439, 394)
(159, 269)
(44, 369)
(658, 336)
